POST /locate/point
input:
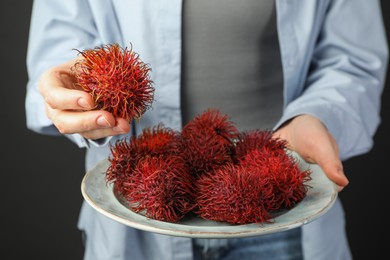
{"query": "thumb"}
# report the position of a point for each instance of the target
(326, 156)
(334, 170)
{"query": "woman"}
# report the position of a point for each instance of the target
(312, 71)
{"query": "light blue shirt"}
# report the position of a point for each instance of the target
(334, 58)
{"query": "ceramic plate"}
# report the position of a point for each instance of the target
(319, 199)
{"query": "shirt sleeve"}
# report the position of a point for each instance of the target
(346, 76)
(57, 29)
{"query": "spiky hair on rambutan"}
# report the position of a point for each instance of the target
(232, 194)
(253, 191)
(263, 180)
(150, 176)
(157, 140)
(207, 140)
(125, 153)
(161, 188)
(121, 164)
(287, 182)
(257, 140)
(117, 79)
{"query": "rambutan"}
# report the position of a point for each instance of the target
(231, 194)
(262, 181)
(260, 151)
(117, 79)
(286, 181)
(158, 140)
(161, 188)
(125, 153)
(122, 160)
(207, 141)
(256, 139)
(150, 176)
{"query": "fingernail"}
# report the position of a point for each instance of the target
(83, 103)
(341, 173)
(118, 129)
(345, 181)
(102, 121)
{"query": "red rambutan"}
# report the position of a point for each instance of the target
(150, 176)
(122, 161)
(232, 194)
(161, 188)
(263, 180)
(126, 153)
(158, 140)
(257, 140)
(286, 181)
(207, 141)
(117, 79)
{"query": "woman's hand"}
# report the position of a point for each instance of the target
(308, 136)
(70, 109)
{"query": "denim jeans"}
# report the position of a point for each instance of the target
(284, 245)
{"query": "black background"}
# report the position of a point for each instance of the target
(41, 175)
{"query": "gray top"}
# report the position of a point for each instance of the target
(238, 70)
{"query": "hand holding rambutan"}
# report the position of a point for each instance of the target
(117, 79)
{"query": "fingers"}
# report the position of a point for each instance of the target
(335, 172)
(93, 124)
(327, 157)
(58, 89)
(120, 127)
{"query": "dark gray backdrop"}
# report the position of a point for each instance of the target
(41, 175)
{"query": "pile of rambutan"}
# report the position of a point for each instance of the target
(116, 78)
(208, 168)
